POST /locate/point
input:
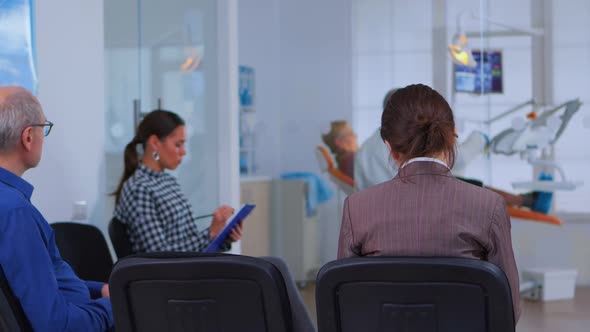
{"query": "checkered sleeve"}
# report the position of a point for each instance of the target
(146, 231)
(202, 238)
(149, 232)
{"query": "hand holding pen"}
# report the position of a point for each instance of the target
(220, 217)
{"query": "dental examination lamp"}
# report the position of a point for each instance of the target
(459, 51)
(529, 137)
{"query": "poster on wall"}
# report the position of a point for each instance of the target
(17, 53)
(247, 90)
(247, 119)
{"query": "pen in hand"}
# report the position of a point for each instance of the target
(209, 215)
(204, 216)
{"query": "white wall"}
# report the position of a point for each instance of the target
(571, 72)
(315, 76)
(303, 76)
(539, 245)
(301, 54)
(70, 65)
(259, 48)
(391, 47)
(566, 246)
(315, 47)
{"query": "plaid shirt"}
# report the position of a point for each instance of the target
(158, 215)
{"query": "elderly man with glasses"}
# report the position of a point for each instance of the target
(52, 297)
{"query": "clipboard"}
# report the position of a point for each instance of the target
(240, 215)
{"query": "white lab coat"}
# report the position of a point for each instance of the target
(373, 163)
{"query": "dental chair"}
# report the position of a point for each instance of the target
(326, 163)
(526, 214)
(528, 138)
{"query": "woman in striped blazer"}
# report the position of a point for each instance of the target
(424, 210)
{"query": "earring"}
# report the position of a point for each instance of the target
(156, 155)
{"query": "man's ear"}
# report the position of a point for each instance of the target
(27, 138)
(394, 154)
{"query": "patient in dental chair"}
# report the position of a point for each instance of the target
(371, 163)
(343, 144)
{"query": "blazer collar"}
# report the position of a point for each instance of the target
(424, 167)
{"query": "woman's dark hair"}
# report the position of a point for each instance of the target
(417, 122)
(158, 122)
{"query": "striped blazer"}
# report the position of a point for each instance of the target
(426, 211)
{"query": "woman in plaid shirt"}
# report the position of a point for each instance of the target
(159, 217)
(149, 201)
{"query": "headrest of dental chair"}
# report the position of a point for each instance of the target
(343, 181)
(324, 159)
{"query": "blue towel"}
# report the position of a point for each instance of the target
(317, 190)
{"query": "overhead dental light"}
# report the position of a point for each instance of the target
(459, 50)
(460, 53)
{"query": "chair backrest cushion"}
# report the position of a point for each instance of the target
(85, 248)
(12, 316)
(198, 292)
(120, 238)
(413, 294)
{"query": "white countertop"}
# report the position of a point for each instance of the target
(254, 178)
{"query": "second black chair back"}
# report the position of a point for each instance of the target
(85, 248)
(413, 294)
(198, 292)
(12, 316)
(119, 238)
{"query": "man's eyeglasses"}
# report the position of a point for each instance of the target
(46, 127)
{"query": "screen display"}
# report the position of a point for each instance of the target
(485, 77)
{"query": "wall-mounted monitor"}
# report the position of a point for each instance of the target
(485, 77)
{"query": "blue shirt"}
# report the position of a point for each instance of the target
(52, 297)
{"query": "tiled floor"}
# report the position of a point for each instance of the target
(555, 316)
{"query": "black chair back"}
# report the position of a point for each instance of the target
(12, 317)
(198, 292)
(120, 239)
(85, 248)
(413, 294)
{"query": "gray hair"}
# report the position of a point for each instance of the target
(17, 111)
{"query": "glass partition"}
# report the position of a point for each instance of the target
(163, 54)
